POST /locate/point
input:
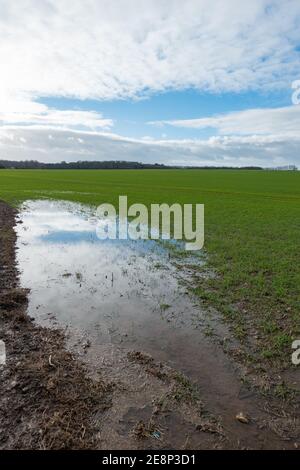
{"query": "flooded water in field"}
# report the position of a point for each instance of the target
(114, 293)
(119, 292)
(113, 297)
(122, 291)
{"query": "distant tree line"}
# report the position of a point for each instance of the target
(80, 165)
(106, 165)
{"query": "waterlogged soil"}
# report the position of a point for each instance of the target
(106, 348)
(46, 398)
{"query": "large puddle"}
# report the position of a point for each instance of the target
(113, 297)
(124, 294)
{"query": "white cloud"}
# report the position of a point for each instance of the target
(279, 121)
(107, 49)
(63, 118)
(103, 49)
(73, 145)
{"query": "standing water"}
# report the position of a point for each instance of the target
(113, 297)
(115, 292)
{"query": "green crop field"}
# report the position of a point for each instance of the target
(252, 228)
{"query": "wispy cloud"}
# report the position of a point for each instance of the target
(55, 117)
(279, 121)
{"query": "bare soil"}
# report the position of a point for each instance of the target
(46, 399)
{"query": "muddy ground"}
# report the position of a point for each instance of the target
(49, 399)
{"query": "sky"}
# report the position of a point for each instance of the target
(200, 82)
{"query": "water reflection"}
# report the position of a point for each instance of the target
(118, 292)
(119, 296)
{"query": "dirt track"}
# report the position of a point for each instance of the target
(48, 401)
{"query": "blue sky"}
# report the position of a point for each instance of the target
(131, 117)
(202, 82)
